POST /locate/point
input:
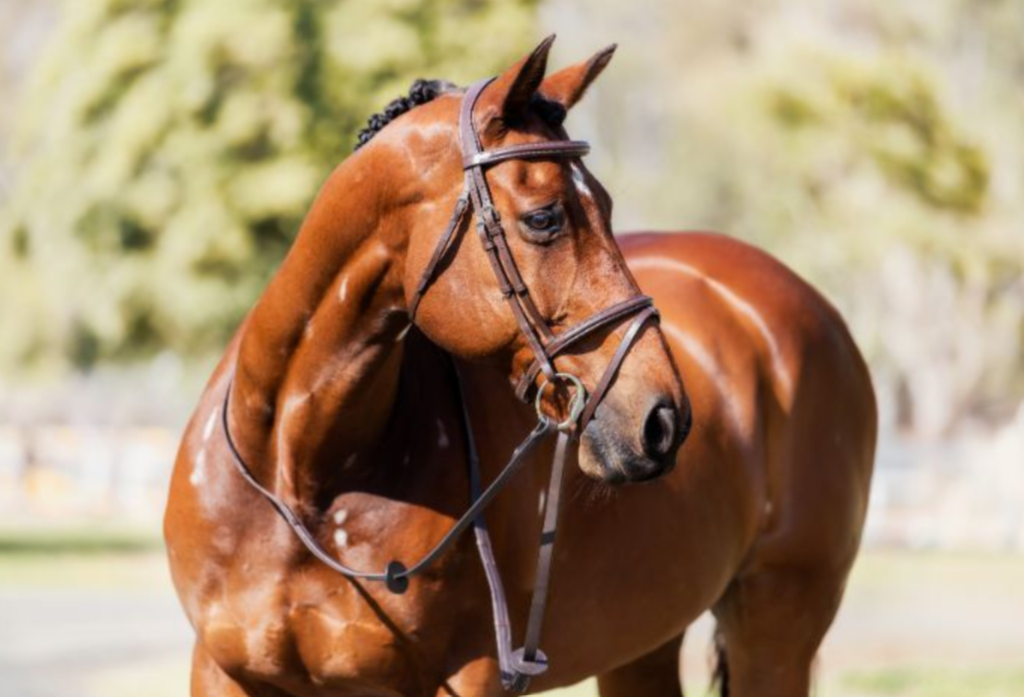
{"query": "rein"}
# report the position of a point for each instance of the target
(517, 666)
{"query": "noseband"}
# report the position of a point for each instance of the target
(519, 665)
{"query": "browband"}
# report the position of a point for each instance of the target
(527, 151)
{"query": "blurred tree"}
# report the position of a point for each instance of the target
(170, 148)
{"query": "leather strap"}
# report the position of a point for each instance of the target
(613, 367)
(607, 316)
(530, 659)
(439, 252)
(527, 151)
(516, 666)
(519, 665)
(492, 234)
(396, 574)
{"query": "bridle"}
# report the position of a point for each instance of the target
(544, 345)
(519, 665)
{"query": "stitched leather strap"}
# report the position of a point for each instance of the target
(607, 316)
(519, 665)
(427, 277)
(527, 151)
(613, 367)
(530, 660)
(492, 236)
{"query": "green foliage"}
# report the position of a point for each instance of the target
(891, 111)
(171, 147)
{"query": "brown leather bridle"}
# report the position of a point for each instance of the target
(519, 665)
(544, 345)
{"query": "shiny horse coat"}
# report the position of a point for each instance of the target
(351, 415)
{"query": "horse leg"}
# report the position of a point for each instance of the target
(655, 674)
(770, 624)
(210, 680)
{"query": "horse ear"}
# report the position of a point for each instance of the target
(568, 85)
(512, 91)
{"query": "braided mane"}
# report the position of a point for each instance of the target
(423, 91)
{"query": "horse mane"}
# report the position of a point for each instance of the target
(422, 91)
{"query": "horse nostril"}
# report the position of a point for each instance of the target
(660, 430)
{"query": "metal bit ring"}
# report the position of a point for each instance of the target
(576, 402)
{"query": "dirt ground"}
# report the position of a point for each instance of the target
(102, 621)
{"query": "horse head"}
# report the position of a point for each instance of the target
(554, 221)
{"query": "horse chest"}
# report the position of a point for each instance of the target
(320, 631)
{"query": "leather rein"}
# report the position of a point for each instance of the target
(519, 665)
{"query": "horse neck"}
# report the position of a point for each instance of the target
(319, 356)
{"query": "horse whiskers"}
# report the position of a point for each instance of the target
(592, 492)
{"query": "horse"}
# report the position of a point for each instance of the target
(375, 369)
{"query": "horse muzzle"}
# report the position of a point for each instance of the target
(621, 450)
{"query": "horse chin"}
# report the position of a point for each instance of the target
(608, 458)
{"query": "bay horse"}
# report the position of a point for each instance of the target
(378, 361)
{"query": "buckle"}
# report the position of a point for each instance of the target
(490, 216)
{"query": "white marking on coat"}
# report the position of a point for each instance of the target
(580, 181)
(340, 538)
(340, 516)
(343, 290)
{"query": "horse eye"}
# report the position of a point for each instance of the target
(547, 220)
(541, 220)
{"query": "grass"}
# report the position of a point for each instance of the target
(902, 571)
(86, 557)
(906, 681)
(87, 540)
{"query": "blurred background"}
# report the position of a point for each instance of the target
(156, 157)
